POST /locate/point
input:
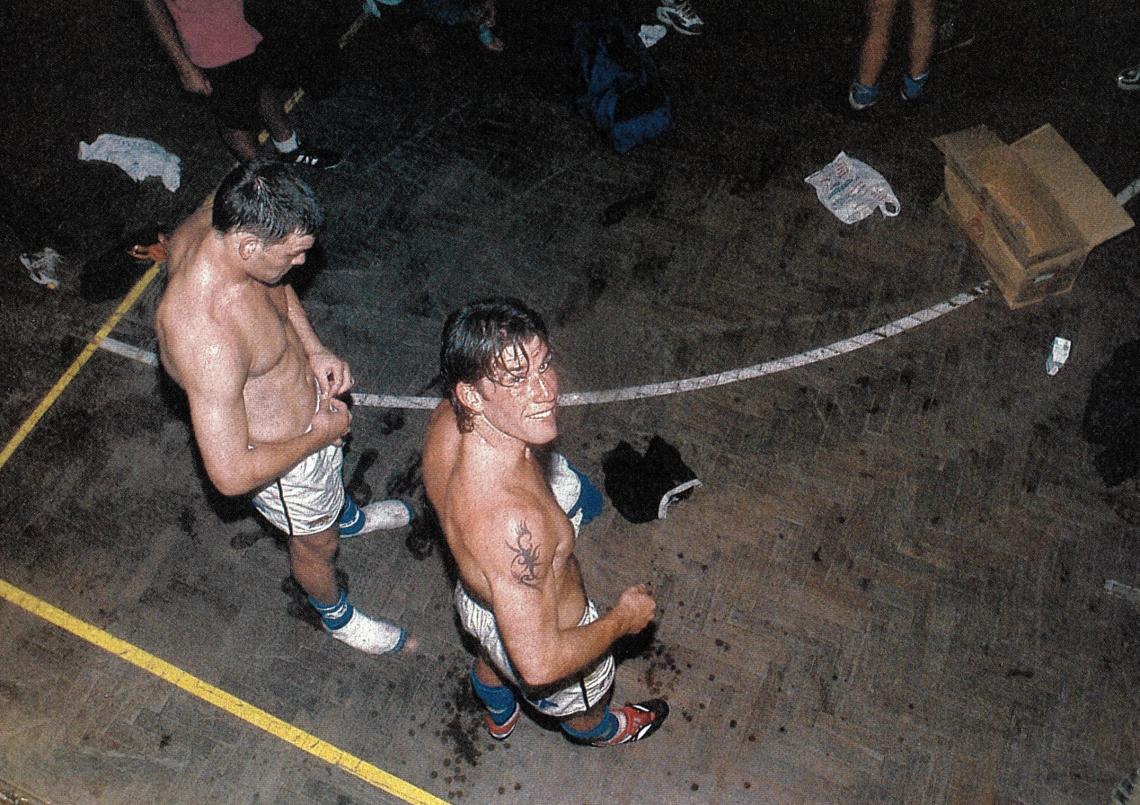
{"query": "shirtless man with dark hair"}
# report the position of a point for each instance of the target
(262, 387)
(511, 515)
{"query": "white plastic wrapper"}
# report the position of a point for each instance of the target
(1058, 354)
(852, 190)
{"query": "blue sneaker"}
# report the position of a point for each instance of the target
(911, 89)
(861, 96)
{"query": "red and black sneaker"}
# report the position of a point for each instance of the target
(637, 722)
(500, 732)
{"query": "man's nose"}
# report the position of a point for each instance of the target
(545, 387)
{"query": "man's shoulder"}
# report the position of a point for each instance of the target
(203, 291)
(192, 307)
(197, 332)
(500, 515)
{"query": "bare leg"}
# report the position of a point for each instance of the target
(584, 722)
(499, 699)
(921, 36)
(243, 144)
(271, 105)
(880, 15)
(311, 560)
(487, 674)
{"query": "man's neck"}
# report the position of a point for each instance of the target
(495, 446)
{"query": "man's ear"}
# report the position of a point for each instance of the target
(469, 397)
(247, 245)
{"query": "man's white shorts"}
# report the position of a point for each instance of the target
(588, 687)
(309, 497)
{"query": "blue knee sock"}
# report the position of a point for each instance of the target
(498, 699)
(589, 498)
(605, 729)
(334, 616)
(351, 519)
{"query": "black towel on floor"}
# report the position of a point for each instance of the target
(643, 487)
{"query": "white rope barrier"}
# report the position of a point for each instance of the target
(835, 349)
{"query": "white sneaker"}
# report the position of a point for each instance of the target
(679, 15)
(43, 266)
(370, 636)
(1129, 79)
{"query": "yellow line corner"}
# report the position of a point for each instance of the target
(203, 690)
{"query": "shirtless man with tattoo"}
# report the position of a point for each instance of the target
(262, 387)
(511, 514)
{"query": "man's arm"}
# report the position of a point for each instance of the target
(213, 369)
(526, 602)
(191, 76)
(332, 373)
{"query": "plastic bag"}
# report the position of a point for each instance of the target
(852, 190)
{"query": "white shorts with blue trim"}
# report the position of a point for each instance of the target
(589, 685)
(307, 499)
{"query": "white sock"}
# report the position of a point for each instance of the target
(287, 146)
(369, 635)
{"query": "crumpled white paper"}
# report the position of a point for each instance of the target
(652, 34)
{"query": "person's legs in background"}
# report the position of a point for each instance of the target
(922, 33)
(864, 90)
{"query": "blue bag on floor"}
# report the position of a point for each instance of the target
(622, 93)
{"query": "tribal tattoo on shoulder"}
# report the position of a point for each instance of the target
(524, 565)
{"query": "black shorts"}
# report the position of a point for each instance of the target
(237, 87)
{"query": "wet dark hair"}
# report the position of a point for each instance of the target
(474, 338)
(265, 198)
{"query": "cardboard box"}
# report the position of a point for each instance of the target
(1033, 209)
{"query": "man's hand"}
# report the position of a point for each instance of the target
(637, 607)
(332, 420)
(332, 373)
(193, 79)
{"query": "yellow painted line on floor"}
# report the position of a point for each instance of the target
(203, 690)
(65, 380)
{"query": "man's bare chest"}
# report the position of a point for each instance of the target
(270, 337)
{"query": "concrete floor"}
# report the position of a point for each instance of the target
(910, 575)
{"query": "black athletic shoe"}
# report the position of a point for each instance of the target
(312, 157)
